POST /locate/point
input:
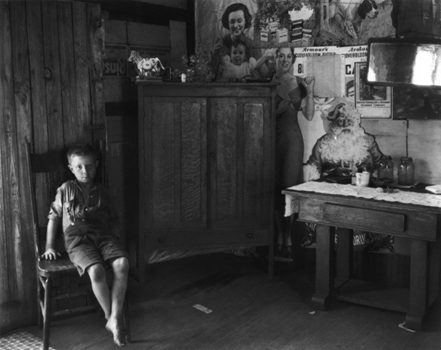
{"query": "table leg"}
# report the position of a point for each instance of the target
(344, 251)
(418, 297)
(434, 268)
(323, 278)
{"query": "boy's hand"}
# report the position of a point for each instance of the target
(50, 254)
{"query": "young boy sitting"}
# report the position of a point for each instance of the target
(90, 234)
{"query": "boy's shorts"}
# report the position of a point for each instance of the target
(87, 247)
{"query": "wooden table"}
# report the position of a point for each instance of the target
(415, 216)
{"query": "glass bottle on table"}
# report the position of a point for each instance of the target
(386, 170)
(406, 172)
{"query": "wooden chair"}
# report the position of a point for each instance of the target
(51, 168)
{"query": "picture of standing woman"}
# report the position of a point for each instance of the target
(294, 94)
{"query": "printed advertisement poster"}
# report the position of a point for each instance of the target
(115, 61)
(352, 55)
(325, 65)
(347, 56)
(372, 101)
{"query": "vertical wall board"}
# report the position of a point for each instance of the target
(52, 75)
(7, 281)
(96, 37)
(389, 134)
(12, 271)
(40, 140)
(20, 62)
(148, 34)
(81, 53)
(27, 283)
(417, 18)
(71, 127)
(116, 32)
(117, 89)
(54, 109)
(178, 39)
(9, 160)
(173, 3)
(424, 148)
(36, 64)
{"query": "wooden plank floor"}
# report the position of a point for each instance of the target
(250, 310)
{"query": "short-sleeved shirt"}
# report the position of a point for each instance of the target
(90, 225)
(72, 206)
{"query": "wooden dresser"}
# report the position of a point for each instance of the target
(206, 166)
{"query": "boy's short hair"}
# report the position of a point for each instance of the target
(81, 150)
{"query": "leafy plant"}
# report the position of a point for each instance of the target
(270, 10)
(198, 67)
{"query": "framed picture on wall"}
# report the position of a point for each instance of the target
(372, 101)
(412, 102)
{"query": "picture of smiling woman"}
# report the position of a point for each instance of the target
(236, 19)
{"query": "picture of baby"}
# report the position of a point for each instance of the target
(240, 65)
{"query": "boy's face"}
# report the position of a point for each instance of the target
(238, 55)
(84, 168)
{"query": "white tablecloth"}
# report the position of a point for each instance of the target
(407, 197)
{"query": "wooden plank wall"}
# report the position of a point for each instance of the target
(51, 92)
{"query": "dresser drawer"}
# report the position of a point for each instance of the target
(364, 219)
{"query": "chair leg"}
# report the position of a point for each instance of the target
(40, 292)
(47, 313)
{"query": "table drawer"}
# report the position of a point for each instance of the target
(364, 219)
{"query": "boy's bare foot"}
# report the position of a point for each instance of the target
(114, 327)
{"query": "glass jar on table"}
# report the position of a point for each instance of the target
(406, 172)
(386, 170)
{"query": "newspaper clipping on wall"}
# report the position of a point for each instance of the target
(372, 101)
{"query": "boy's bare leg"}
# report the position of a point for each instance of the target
(97, 274)
(120, 268)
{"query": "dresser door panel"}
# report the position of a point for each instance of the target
(178, 163)
(239, 162)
